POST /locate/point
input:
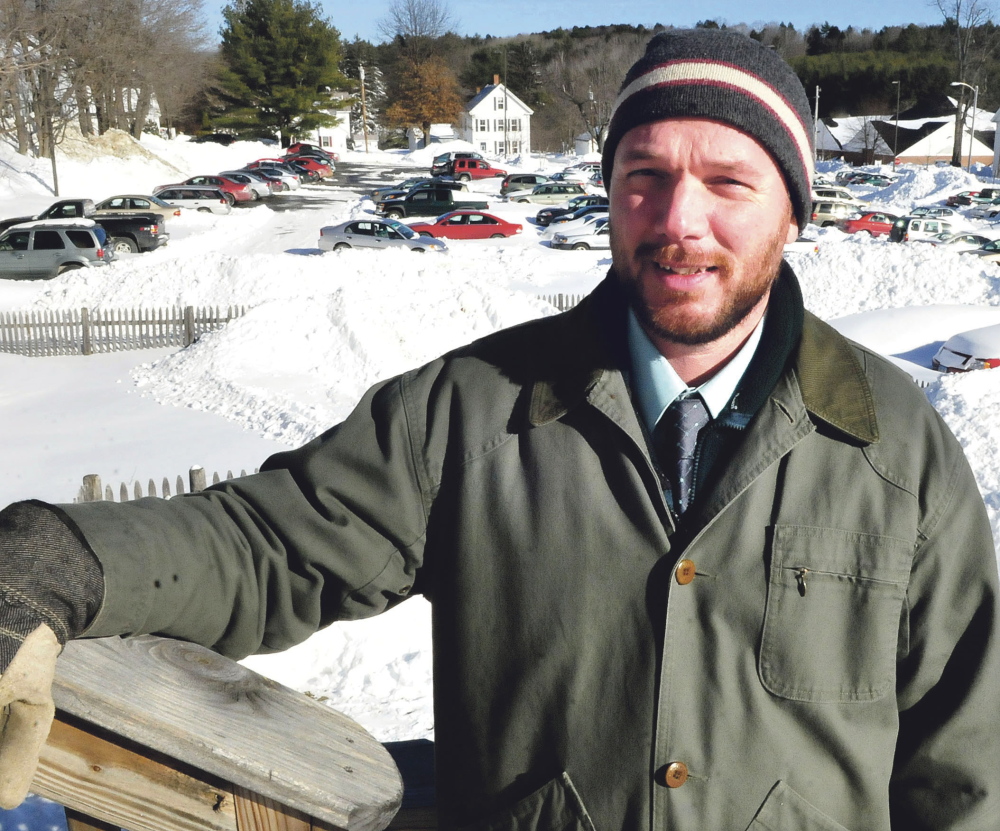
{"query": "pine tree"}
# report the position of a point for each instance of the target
(427, 92)
(280, 63)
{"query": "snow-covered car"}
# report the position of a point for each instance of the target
(597, 235)
(975, 349)
(550, 193)
(557, 222)
(912, 228)
(990, 251)
(957, 242)
(585, 222)
(376, 233)
(546, 216)
(837, 194)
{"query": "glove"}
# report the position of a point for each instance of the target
(26, 713)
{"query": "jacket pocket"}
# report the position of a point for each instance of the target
(785, 810)
(555, 806)
(831, 626)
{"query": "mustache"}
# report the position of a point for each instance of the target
(680, 256)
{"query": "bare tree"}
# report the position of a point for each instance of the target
(417, 19)
(971, 54)
(589, 79)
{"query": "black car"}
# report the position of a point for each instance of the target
(546, 215)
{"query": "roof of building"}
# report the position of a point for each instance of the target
(488, 90)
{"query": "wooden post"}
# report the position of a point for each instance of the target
(88, 347)
(189, 333)
(197, 478)
(91, 488)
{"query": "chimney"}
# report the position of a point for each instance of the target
(496, 80)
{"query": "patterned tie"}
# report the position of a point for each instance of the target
(676, 436)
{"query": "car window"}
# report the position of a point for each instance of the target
(141, 204)
(113, 203)
(482, 219)
(19, 240)
(48, 241)
(382, 232)
(363, 228)
(81, 239)
(457, 219)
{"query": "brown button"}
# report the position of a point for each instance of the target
(685, 572)
(676, 774)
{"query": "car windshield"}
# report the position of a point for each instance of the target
(403, 230)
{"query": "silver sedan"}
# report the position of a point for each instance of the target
(376, 233)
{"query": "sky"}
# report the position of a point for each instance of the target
(525, 16)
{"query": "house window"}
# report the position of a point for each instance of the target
(482, 146)
(326, 141)
(515, 147)
(514, 125)
(499, 103)
(484, 126)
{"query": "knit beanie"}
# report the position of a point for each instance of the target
(728, 77)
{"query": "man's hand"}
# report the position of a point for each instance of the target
(26, 712)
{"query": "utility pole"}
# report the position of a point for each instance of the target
(816, 127)
(895, 141)
(364, 106)
(506, 114)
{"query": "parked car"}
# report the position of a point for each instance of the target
(401, 188)
(990, 251)
(872, 223)
(596, 236)
(578, 172)
(63, 209)
(836, 193)
(276, 168)
(259, 186)
(964, 197)
(466, 170)
(202, 199)
(301, 148)
(935, 210)
(45, 248)
(130, 203)
(956, 242)
(232, 190)
(985, 210)
(432, 201)
(467, 225)
(441, 164)
(521, 181)
(826, 213)
(550, 193)
(546, 215)
(376, 233)
(323, 169)
(975, 349)
(580, 213)
(911, 228)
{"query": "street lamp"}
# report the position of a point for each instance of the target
(975, 102)
(895, 141)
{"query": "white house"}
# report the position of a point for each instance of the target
(496, 121)
(334, 139)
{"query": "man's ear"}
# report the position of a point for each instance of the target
(793, 231)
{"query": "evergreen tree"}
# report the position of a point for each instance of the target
(280, 63)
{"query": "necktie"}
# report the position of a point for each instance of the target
(676, 437)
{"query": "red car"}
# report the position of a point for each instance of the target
(233, 190)
(301, 148)
(466, 169)
(312, 163)
(467, 225)
(872, 223)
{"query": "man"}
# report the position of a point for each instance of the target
(771, 607)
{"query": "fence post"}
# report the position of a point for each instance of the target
(197, 478)
(188, 325)
(91, 488)
(88, 348)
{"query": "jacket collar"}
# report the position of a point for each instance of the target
(591, 336)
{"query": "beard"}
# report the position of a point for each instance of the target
(674, 315)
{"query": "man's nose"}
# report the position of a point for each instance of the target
(685, 210)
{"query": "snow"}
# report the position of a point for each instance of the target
(320, 328)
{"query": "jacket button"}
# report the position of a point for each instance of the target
(675, 775)
(685, 572)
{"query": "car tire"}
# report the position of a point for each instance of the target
(123, 245)
(523, 201)
(417, 250)
(394, 214)
(341, 246)
(427, 234)
(464, 177)
(204, 210)
(497, 236)
(580, 246)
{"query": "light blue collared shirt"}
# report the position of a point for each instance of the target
(657, 384)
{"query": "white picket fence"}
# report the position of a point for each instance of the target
(92, 491)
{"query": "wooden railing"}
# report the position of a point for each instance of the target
(86, 331)
(155, 734)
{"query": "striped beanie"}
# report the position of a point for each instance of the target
(728, 77)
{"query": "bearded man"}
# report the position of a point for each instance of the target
(695, 560)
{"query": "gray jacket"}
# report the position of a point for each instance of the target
(832, 664)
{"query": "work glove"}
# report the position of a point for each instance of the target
(51, 587)
(26, 713)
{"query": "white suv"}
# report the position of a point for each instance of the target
(197, 198)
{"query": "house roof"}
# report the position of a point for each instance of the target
(488, 90)
(940, 141)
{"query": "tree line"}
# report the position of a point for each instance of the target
(282, 68)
